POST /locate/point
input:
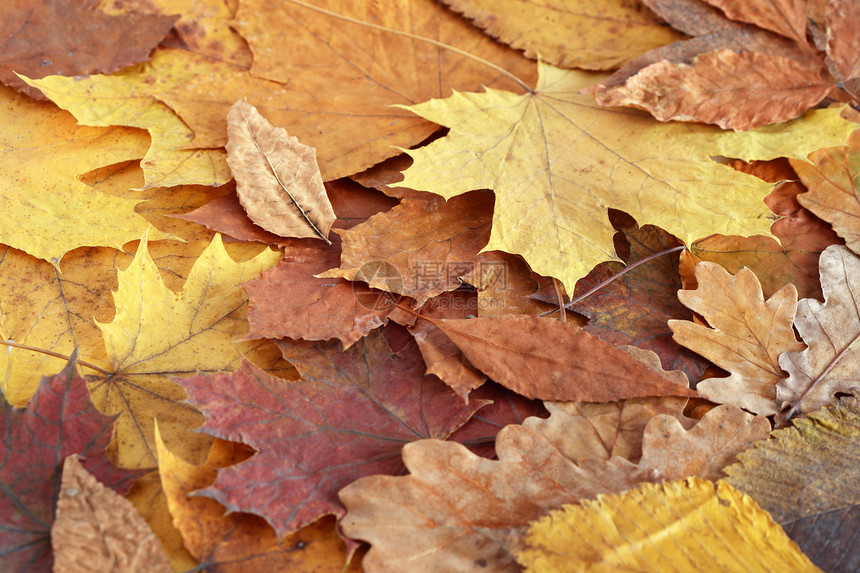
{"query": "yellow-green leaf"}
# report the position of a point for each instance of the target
(557, 162)
(690, 525)
(129, 98)
(157, 334)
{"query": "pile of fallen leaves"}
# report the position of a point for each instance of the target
(262, 313)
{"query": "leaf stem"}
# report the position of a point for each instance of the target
(54, 354)
(465, 54)
(613, 277)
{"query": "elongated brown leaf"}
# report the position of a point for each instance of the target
(551, 360)
(277, 177)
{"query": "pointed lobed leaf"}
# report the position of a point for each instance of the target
(692, 525)
(47, 211)
(347, 417)
(808, 478)
(97, 529)
(551, 360)
(277, 177)
(128, 98)
(552, 195)
(238, 542)
(831, 330)
(59, 421)
(157, 334)
(591, 31)
(91, 41)
(344, 111)
(746, 336)
(833, 180)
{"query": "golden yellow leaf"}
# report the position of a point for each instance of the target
(128, 98)
(98, 530)
(157, 334)
(746, 335)
(46, 211)
(691, 525)
(571, 33)
(831, 330)
(277, 177)
(557, 161)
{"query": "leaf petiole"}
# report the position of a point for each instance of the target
(626, 269)
(54, 354)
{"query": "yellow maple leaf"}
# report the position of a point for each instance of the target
(47, 211)
(557, 162)
(157, 334)
(129, 98)
(688, 525)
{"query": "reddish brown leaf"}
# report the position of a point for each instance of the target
(58, 421)
(692, 17)
(227, 216)
(635, 308)
(432, 243)
(442, 357)
(348, 416)
(547, 359)
(843, 37)
(71, 38)
(733, 90)
(289, 301)
(786, 17)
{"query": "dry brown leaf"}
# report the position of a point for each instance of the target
(456, 511)
(785, 17)
(769, 88)
(551, 360)
(277, 177)
(746, 336)
(833, 179)
(843, 42)
(703, 450)
(831, 330)
(98, 530)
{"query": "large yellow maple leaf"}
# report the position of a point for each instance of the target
(129, 98)
(46, 211)
(557, 162)
(157, 334)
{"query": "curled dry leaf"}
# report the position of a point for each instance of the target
(277, 177)
(746, 336)
(831, 330)
(96, 529)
